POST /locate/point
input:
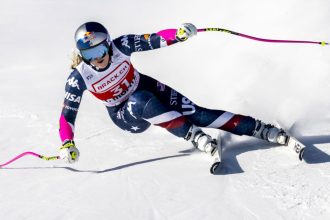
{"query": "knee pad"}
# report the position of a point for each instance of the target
(137, 102)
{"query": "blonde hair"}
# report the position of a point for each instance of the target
(76, 59)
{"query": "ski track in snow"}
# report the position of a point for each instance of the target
(154, 175)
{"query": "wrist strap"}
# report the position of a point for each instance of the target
(67, 144)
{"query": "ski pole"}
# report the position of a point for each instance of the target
(29, 153)
(323, 43)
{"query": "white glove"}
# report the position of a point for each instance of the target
(185, 31)
(69, 153)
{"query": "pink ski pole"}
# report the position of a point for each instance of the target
(323, 43)
(32, 154)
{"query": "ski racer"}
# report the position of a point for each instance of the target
(134, 101)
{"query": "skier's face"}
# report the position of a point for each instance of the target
(102, 62)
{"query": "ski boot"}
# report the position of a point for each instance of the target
(270, 133)
(205, 143)
(202, 141)
(275, 135)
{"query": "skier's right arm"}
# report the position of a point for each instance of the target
(74, 89)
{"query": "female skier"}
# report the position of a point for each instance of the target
(135, 101)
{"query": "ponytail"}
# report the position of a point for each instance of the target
(76, 59)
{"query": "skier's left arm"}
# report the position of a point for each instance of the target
(135, 43)
(181, 34)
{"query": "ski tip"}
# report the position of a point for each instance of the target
(214, 167)
(301, 154)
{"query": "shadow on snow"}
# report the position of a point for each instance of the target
(313, 155)
(230, 164)
(106, 170)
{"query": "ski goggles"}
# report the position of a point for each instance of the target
(95, 53)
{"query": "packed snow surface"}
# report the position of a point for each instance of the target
(155, 175)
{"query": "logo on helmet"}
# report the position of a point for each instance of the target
(89, 37)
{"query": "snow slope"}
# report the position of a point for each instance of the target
(154, 175)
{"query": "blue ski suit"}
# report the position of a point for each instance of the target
(134, 101)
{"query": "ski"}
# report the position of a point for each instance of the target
(296, 146)
(293, 143)
(217, 155)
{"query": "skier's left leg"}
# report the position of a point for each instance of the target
(209, 118)
(167, 108)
